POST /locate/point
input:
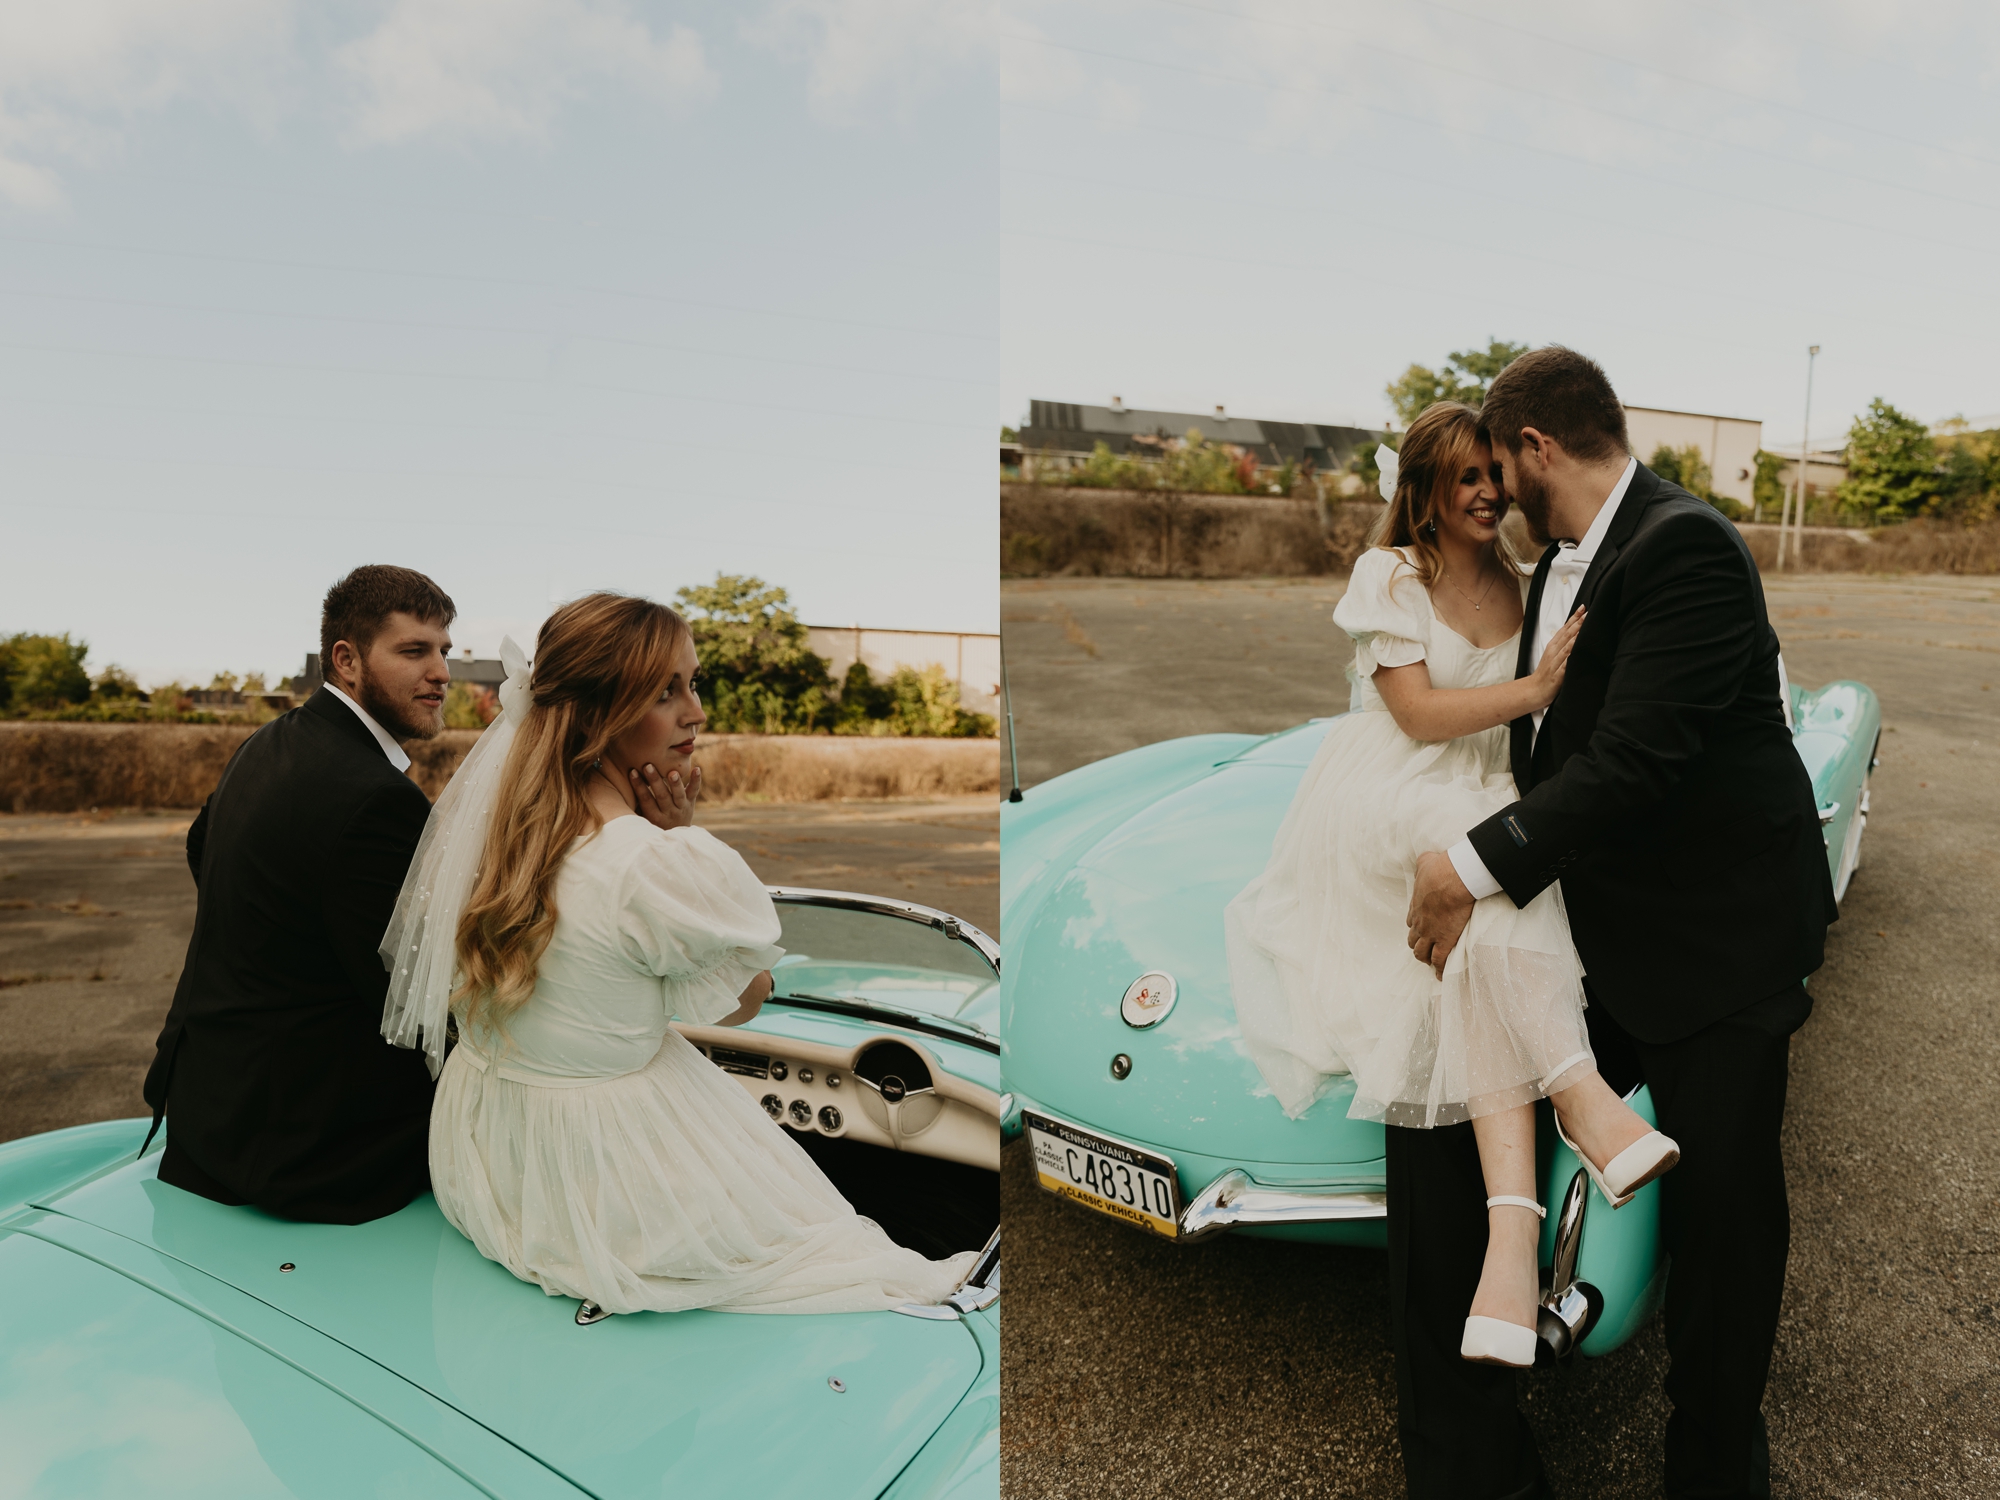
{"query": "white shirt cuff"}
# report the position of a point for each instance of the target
(1472, 870)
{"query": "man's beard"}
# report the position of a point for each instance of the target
(1532, 496)
(394, 717)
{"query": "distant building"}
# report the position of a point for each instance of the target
(479, 671)
(1728, 444)
(971, 660)
(1826, 470)
(1061, 427)
(307, 682)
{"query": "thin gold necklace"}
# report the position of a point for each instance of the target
(1475, 603)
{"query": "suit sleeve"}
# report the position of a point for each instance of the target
(365, 876)
(1684, 644)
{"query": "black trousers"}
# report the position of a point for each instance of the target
(1721, 1094)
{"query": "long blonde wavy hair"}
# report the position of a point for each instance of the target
(600, 664)
(1436, 449)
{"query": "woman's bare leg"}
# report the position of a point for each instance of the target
(1509, 1282)
(1595, 1118)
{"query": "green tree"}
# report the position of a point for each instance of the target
(1684, 467)
(114, 684)
(223, 682)
(762, 676)
(1466, 376)
(1767, 490)
(1892, 465)
(43, 672)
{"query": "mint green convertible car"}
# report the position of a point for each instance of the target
(154, 1343)
(1121, 1056)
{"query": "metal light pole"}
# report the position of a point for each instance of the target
(1805, 455)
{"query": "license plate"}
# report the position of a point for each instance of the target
(1109, 1176)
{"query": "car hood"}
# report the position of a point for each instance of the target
(1141, 891)
(696, 1403)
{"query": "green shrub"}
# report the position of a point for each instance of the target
(1892, 465)
(43, 672)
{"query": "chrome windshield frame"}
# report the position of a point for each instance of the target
(956, 928)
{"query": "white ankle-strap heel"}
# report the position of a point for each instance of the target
(1494, 1341)
(1651, 1156)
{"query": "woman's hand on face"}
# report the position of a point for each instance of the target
(666, 801)
(1548, 673)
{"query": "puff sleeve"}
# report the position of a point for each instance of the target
(1386, 611)
(693, 913)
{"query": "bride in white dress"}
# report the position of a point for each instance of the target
(1324, 979)
(564, 908)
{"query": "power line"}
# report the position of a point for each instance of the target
(1409, 118)
(515, 330)
(473, 279)
(432, 427)
(482, 378)
(1622, 271)
(1506, 83)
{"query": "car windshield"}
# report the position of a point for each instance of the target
(885, 963)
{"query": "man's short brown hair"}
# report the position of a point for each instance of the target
(1562, 393)
(358, 606)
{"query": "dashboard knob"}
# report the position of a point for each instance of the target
(778, 1069)
(829, 1119)
(773, 1105)
(805, 1075)
(833, 1080)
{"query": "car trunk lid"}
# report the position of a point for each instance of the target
(689, 1403)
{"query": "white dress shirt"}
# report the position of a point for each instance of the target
(1566, 572)
(389, 747)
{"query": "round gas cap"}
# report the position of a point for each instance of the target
(1148, 1000)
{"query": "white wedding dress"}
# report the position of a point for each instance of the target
(1319, 959)
(589, 1148)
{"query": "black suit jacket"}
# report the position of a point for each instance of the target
(1663, 790)
(280, 1088)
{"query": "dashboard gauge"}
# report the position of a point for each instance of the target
(773, 1105)
(829, 1119)
(802, 1114)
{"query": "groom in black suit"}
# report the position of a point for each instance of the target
(272, 1071)
(1661, 788)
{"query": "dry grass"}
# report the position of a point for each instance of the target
(73, 767)
(1913, 547)
(1047, 530)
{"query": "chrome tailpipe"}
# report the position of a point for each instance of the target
(1569, 1306)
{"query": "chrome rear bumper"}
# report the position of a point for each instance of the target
(1237, 1200)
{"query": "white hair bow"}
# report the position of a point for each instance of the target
(1385, 460)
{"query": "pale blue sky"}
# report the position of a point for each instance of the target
(536, 297)
(1278, 205)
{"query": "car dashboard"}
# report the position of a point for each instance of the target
(884, 1090)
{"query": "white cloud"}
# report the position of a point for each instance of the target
(860, 52)
(75, 74)
(77, 77)
(506, 68)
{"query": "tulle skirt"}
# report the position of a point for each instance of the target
(662, 1190)
(1325, 984)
